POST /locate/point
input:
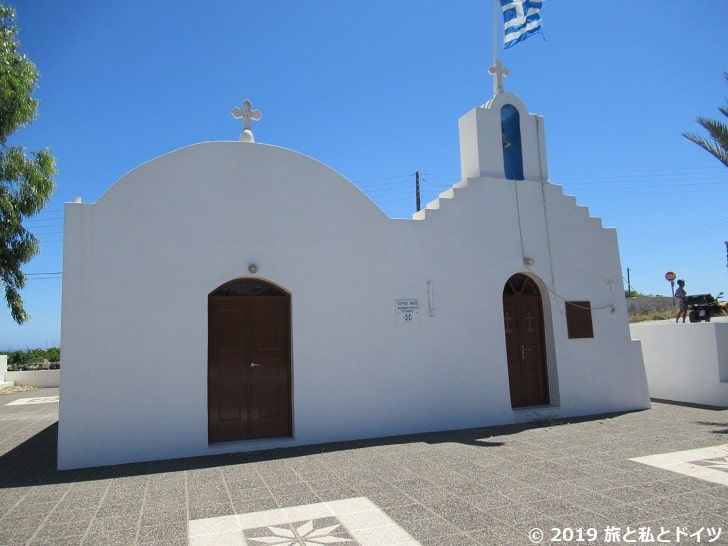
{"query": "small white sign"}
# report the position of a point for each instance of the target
(407, 311)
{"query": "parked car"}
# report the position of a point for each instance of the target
(703, 306)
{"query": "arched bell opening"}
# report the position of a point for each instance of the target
(512, 148)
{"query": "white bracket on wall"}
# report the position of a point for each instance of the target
(430, 299)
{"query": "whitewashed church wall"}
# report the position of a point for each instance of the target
(578, 260)
(140, 263)
(590, 270)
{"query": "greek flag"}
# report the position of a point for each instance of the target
(522, 20)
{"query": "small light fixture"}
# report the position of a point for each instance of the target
(528, 261)
(252, 269)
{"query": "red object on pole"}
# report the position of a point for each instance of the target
(670, 276)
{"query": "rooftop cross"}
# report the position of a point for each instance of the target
(247, 114)
(498, 71)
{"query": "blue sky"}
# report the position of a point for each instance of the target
(374, 89)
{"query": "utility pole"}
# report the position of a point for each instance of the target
(417, 188)
(629, 285)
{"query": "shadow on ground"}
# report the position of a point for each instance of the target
(34, 461)
(721, 428)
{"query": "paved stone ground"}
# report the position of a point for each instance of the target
(472, 487)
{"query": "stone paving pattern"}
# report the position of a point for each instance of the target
(469, 487)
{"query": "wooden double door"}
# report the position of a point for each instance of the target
(249, 361)
(525, 342)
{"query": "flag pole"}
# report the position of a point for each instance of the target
(495, 31)
(496, 69)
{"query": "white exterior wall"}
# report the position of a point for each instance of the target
(139, 265)
(35, 378)
(686, 363)
(3, 369)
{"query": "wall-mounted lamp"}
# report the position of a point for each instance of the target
(252, 269)
(528, 261)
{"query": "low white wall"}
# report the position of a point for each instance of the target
(3, 369)
(686, 362)
(35, 378)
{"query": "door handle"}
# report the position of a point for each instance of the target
(255, 365)
(523, 352)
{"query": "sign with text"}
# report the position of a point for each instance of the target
(407, 311)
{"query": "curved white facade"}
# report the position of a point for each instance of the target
(139, 265)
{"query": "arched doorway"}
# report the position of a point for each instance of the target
(525, 345)
(249, 361)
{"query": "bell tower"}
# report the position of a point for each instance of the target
(501, 139)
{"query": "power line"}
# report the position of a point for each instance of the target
(43, 276)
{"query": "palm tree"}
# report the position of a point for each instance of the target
(717, 144)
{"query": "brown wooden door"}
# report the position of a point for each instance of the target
(523, 322)
(249, 362)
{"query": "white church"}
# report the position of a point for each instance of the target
(238, 296)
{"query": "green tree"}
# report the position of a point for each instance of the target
(717, 144)
(26, 180)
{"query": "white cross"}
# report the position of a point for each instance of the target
(498, 70)
(246, 114)
(520, 17)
